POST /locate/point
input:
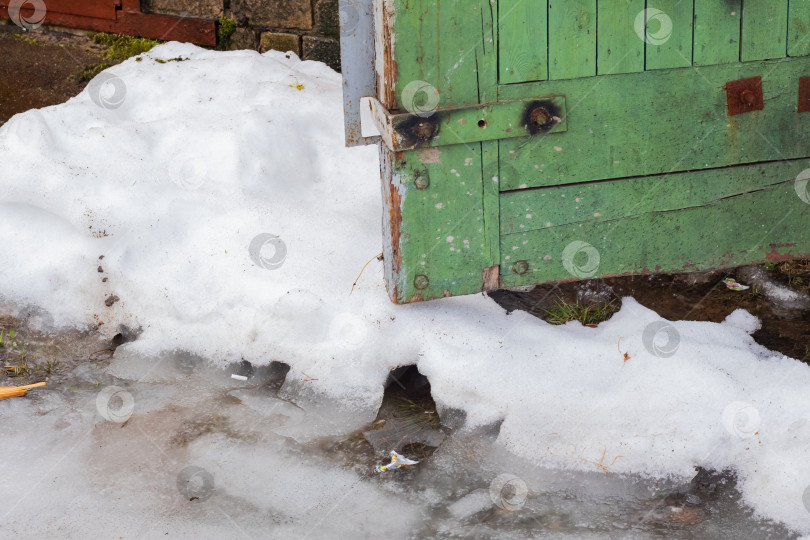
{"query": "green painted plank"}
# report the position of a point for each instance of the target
(765, 224)
(523, 47)
(639, 124)
(619, 48)
(543, 208)
(717, 32)
(442, 234)
(799, 28)
(669, 34)
(764, 29)
(436, 240)
(492, 209)
(487, 57)
(571, 38)
(439, 44)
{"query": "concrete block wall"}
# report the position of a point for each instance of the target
(309, 28)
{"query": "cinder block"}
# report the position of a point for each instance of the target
(280, 42)
(276, 13)
(203, 9)
(326, 50)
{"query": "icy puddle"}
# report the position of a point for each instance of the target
(185, 449)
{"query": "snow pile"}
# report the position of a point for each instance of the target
(211, 203)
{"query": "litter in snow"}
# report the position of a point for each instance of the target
(397, 462)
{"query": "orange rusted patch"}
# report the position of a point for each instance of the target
(775, 256)
(387, 88)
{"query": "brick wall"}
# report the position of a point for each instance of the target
(310, 28)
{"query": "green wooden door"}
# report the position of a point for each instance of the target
(677, 143)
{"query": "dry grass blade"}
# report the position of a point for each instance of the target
(17, 391)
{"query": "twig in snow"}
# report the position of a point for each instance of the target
(379, 257)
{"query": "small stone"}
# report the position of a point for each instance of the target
(111, 300)
(104, 280)
(100, 270)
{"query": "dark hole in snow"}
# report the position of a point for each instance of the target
(271, 376)
(408, 420)
(125, 335)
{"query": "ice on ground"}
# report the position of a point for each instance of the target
(777, 293)
(216, 201)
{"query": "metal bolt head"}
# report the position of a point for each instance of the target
(747, 97)
(421, 281)
(520, 267)
(424, 129)
(540, 116)
(421, 181)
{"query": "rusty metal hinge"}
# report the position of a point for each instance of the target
(475, 123)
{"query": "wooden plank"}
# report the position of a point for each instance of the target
(492, 217)
(717, 32)
(619, 48)
(437, 240)
(541, 208)
(713, 234)
(799, 27)
(639, 124)
(669, 34)
(571, 38)
(523, 47)
(764, 29)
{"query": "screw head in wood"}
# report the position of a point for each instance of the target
(421, 181)
(421, 281)
(520, 267)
